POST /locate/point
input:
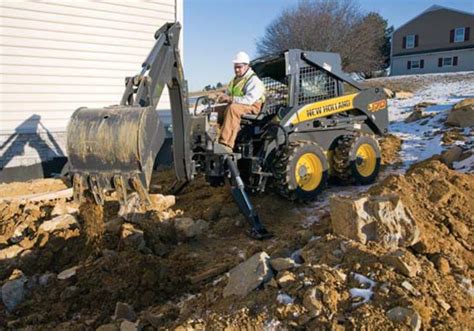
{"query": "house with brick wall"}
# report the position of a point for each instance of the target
(438, 40)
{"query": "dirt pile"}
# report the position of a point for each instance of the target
(390, 145)
(170, 265)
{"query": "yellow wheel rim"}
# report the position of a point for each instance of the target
(366, 160)
(308, 172)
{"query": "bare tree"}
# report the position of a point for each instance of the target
(329, 26)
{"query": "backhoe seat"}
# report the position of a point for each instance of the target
(249, 118)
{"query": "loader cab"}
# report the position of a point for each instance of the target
(295, 78)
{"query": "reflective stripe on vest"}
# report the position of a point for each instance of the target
(237, 90)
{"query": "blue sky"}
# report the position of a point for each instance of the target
(214, 30)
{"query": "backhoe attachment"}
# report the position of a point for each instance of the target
(114, 148)
(257, 231)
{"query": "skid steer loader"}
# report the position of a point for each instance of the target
(309, 129)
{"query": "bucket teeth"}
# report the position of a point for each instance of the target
(78, 188)
(120, 189)
(142, 193)
(97, 191)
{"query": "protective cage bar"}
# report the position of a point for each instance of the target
(276, 94)
(315, 85)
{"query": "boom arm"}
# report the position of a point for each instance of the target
(163, 66)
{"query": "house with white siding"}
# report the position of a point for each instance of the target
(437, 40)
(57, 56)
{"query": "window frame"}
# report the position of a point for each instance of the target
(448, 58)
(407, 45)
(415, 67)
(463, 29)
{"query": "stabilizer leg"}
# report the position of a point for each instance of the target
(257, 231)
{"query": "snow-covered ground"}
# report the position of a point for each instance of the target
(422, 138)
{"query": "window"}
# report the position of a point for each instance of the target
(416, 64)
(448, 61)
(459, 34)
(315, 85)
(410, 43)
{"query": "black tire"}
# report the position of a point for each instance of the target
(356, 159)
(301, 171)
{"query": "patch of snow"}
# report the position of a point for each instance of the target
(364, 293)
(422, 138)
(272, 325)
(285, 299)
(363, 280)
(466, 165)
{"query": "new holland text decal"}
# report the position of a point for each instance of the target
(324, 108)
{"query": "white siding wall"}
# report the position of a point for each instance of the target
(465, 62)
(56, 56)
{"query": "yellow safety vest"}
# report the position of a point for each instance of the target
(236, 87)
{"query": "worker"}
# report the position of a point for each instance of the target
(245, 95)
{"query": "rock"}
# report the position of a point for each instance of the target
(128, 326)
(285, 279)
(459, 228)
(305, 236)
(19, 233)
(282, 263)
(407, 286)
(443, 304)
(13, 291)
(382, 219)
(406, 316)
(312, 300)
(46, 278)
(10, 252)
(28, 243)
(62, 222)
(389, 93)
(462, 114)
(212, 213)
(68, 273)
(248, 275)
(186, 227)
(404, 262)
(403, 95)
(132, 237)
(69, 292)
(451, 155)
(162, 202)
(114, 225)
(108, 327)
(124, 311)
(62, 208)
(285, 299)
(132, 208)
(416, 115)
(442, 264)
(272, 283)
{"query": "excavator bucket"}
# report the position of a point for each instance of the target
(113, 148)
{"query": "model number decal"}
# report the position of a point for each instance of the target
(377, 105)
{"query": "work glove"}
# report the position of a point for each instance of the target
(224, 98)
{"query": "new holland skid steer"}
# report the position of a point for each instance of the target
(310, 129)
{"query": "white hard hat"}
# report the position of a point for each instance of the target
(241, 57)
